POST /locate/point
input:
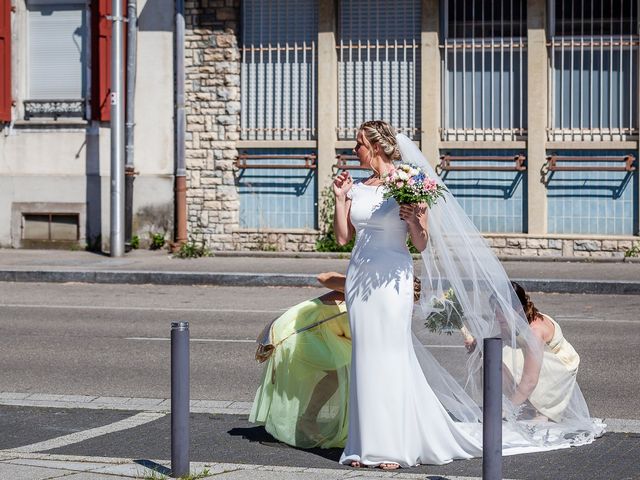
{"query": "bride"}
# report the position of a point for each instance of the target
(404, 408)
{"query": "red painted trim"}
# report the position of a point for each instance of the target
(6, 99)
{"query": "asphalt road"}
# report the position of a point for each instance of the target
(112, 340)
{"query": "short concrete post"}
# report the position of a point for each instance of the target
(179, 399)
(492, 410)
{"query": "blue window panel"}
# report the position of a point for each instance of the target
(355, 174)
(277, 198)
(495, 201)
(278, 69)
(471, 102)
(602, 203)
(594, 89)
(379, 64)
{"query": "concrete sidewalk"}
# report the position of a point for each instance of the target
(277, 269)
(40, 466)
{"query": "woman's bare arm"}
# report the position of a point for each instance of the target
(341, 224)
(416, 218)
(332, 281)
(530, 373)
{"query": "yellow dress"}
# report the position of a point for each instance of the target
(557, 379)
(303, 396)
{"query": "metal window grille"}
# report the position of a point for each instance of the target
(277, 188)
(379, 65)
(593, 74)
(484, 74)
(279, 70)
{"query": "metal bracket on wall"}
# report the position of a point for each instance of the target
(553, 165)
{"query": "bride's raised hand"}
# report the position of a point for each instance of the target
(413, 213)
(342, 184)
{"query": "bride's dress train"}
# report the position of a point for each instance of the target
(398, 391)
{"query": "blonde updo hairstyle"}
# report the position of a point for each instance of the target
(383, 134)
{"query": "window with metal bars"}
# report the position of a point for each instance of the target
(593, 78)
(278, 69)
(379, 65)
(484, 60)
(277, 188)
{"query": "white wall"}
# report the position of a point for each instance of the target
(57, 163)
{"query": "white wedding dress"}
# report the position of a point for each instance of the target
(395, 416)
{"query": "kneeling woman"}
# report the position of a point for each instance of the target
(302, 399)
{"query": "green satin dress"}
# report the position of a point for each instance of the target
(303, 396)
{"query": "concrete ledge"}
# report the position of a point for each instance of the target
(241, 279)
(503, 258)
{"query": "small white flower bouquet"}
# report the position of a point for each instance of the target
(447, 315)
(409, 184)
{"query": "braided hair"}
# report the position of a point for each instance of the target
(380, 132)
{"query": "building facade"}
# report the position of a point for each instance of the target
(54, 122)
(528, 109)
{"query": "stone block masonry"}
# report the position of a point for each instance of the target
(213, 120)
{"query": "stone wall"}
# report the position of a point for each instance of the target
(275, 241)
(213, 120)
(565, 246)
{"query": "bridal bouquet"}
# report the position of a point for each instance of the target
(447, 315)
(409, 184)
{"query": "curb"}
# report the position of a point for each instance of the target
(347, 255)
(240, 279)
(233, 279)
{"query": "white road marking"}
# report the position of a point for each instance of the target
(131, 422)
(240, 310)
(219, 340)
(593, 320)
(239, 340)
(142, 309)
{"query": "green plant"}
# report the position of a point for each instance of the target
(633, 251)
(193, 249)
(193, 476)
(327, 241)
(157, 241)
(154, 476)
(135, 242)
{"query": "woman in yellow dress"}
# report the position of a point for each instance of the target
(552, 392)
(303, 396)
(545, 390)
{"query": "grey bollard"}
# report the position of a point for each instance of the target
(179, 399)
(492, 410)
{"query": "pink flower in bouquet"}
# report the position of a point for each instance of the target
(409, 184)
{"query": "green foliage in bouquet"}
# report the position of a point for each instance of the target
(447, 315)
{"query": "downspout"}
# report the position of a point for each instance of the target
(129, 170)
(180, 128)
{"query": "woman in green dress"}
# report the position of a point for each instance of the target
(303, 396)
